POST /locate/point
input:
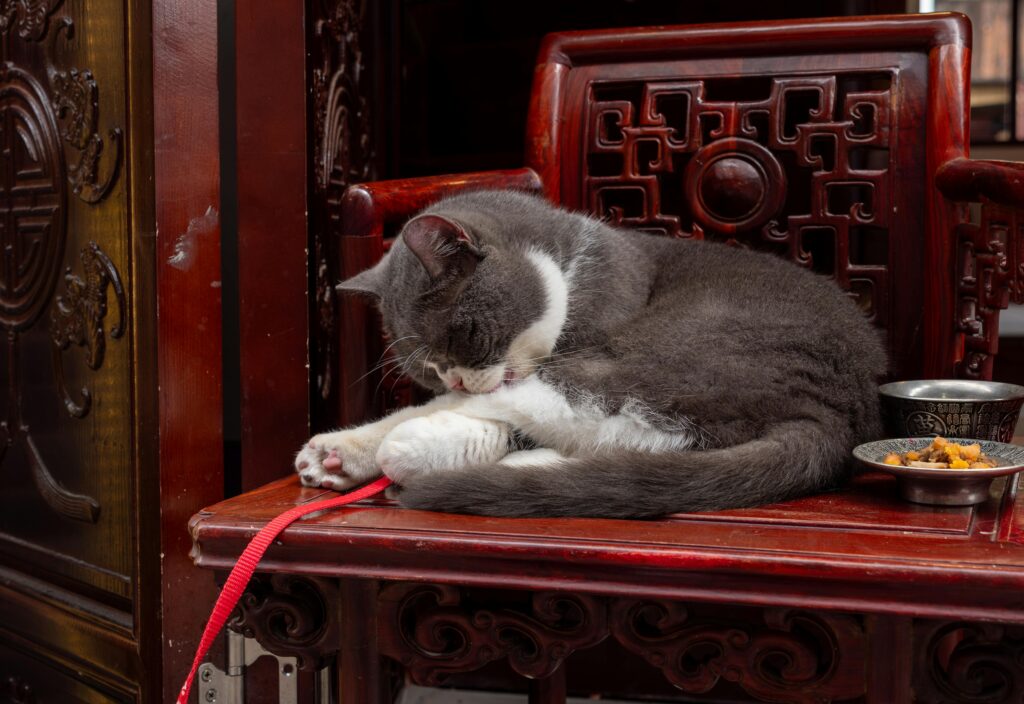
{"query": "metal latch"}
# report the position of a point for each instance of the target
(218, 686)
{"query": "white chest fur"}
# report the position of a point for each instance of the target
(543, 413)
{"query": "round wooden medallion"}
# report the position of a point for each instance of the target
(733, 185)
(33, 195)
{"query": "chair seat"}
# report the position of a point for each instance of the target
(862, 549)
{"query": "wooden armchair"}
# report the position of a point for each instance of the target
(840, 144)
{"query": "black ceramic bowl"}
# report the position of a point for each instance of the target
(952, 408)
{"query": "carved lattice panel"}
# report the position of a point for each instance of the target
(988, 265)
(797, 165)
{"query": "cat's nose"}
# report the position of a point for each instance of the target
(457, 385)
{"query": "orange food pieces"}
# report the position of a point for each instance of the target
(943, 454)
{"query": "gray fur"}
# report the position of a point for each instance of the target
(774, 365)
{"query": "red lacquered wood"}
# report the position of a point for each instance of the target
(272, 239)
(550, 690)
(931, 61)
(186, 168)
(889, 672)
(947, 114)
(368, 207)
(976, 179)
(543, 133)
(359, 674)
(797, 37)
(734, 556)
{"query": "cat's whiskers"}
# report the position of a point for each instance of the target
(384, 360)
(402, 363)
(414, 356)
(406, 337)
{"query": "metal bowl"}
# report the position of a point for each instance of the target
(943, 487)
(954, 408)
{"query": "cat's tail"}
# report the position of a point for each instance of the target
(791, 460)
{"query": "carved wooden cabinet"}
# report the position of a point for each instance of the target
(96, 239)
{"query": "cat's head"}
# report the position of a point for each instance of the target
(466, 307)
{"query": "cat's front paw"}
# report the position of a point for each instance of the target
(339, 460)
(442, 440)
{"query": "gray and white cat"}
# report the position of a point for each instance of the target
(648, 375)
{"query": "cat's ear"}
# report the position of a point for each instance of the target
(369, 282)
(443, 246)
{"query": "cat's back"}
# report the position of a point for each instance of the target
(517, 219)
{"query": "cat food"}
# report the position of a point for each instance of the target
(943, 454)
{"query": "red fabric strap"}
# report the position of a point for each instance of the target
(246, 565)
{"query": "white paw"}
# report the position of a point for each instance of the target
(339, 460)
(442, 440)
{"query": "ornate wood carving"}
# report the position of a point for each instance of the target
(77, 319)
(793, 656)
(433, 631)
(33, 200)
(341, 120)
(290, 616)
(969, 662)
(76, 101)
(799, 165)
(342, 155)
(989, 272)
(773, 654)
(29, 18)
(34, 119)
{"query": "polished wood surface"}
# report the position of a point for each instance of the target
(860, 549)
(273, 308)
(186, 182)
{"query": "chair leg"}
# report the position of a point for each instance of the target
(890, 659)
(359, 673)
(550, 690)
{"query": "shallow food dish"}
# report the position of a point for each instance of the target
(943, 487)
(953, 408)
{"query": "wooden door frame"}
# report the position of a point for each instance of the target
(186, 183)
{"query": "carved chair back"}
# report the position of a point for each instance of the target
(818, 140)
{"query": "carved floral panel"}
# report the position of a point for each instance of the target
(65, 299)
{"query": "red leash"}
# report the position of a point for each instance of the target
(246, 565)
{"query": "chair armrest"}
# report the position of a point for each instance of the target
(366, 208)
(988, 248)
(1001, 182)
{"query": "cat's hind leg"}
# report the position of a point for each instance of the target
(441, 441)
